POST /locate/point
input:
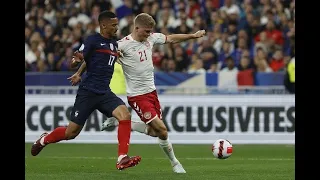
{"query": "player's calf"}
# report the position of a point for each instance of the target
(72, 131)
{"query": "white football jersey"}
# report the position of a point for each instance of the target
(137, 63)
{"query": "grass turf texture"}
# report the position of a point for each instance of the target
(97, 161)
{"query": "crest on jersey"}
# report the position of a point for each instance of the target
(147, 44)
(147, 115)
(111, 46)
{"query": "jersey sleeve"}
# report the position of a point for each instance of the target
(158, 38)
(87, 48)
(121, 46)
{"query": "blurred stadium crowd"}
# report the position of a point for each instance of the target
(241, 34)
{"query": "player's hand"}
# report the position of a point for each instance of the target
(74, 79)
(120, 53)
(77, 57)
(200, 33)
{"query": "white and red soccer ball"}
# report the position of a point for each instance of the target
(222, 149)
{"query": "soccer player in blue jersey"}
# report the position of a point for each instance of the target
(136, 53)
(100, 54)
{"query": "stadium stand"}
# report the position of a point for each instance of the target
(256, 36)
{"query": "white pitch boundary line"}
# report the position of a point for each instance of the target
(199, 159)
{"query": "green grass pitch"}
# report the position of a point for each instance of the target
(63, 161)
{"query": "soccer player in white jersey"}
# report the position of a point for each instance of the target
(136, 60)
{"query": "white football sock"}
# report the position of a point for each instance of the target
(140, 127)
(167, 148)
(121, 156)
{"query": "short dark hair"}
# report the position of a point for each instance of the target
(106, 15)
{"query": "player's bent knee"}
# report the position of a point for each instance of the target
(122, 113)
(159, 128)
(163, 133)
(124, 116)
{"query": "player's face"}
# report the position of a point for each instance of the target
(111, 27)
(144, 32)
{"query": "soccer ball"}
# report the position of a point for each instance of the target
(222, 149)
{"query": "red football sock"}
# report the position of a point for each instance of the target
(56, 135)
(124, 132)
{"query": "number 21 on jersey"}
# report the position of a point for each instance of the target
(143, 55)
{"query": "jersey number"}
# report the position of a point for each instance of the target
(111, 59)
(145, 55)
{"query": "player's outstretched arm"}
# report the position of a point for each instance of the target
(176, 38)
(76, 77)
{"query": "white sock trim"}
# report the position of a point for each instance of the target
(121, 156)
(42, 141)
(163, 141)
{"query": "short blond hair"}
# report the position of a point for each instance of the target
(145, 20)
